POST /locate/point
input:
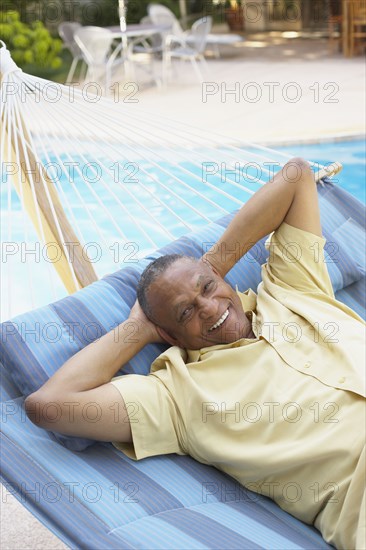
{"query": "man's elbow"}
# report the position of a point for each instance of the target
(298, 169)
(38, 407)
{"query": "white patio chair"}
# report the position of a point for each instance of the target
(67, 31)
(96, 45)
(177, 47)
(163, 16)
(160, 14)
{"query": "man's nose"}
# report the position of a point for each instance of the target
(207, 307)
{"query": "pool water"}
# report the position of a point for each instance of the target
(351, 154)
(182, 197)
(136, 240)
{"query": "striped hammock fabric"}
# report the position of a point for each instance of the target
(98, 498)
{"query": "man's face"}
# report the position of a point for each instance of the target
(196, 307)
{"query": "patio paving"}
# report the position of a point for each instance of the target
(269, 89)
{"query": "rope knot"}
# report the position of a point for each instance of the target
(7, 65)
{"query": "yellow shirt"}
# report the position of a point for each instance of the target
(284, 414)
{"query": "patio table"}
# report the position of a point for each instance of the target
(139, 30)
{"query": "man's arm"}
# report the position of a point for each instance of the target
(290, 197)
(79, 398)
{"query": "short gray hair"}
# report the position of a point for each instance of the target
(156, 268)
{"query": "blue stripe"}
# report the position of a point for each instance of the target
(152, 533)
(209, 478)
(25, 369)
(87, 328)
(343, 202)
(62, 465)
(331, 218)
(105, 304)
(42, 495)
(352, 236)
(244, 278)
(124, 283)
(98, 492)
(298, 526)
(184, 245)
(207, 531)
(8, 389)
(184, 477)
(337, 257)
(151, 496)
(48, 338)
(276, 524)
(256, 525)
(206, 237)
(354, 296)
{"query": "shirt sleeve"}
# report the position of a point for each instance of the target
(296, 261)
(153, 416)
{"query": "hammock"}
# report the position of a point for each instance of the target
(187, 186)
(80, 164)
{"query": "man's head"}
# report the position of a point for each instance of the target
(191, 303)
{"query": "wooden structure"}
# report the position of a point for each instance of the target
(353, 27)
(357, 27)
(335, 23)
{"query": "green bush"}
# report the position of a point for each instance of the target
(29, 44)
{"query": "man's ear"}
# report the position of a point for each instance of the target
(167, 337)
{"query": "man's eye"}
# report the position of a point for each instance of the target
(185, 313)
(208, 286)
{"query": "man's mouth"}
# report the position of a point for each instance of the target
(220, 321)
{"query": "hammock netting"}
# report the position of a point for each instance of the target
(128, 182)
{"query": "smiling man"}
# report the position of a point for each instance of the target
(191, 303)
(268, 387)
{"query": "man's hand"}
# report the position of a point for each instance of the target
(149, 332)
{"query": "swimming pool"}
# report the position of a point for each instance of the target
(351, 154)
(165, 210)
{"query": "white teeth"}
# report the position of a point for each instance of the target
(220, 321)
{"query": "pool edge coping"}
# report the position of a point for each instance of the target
(331, 138)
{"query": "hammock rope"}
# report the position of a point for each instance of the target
(113, 132)
(102, 164)
(27, 148)
(82, 204)
(48, 128)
